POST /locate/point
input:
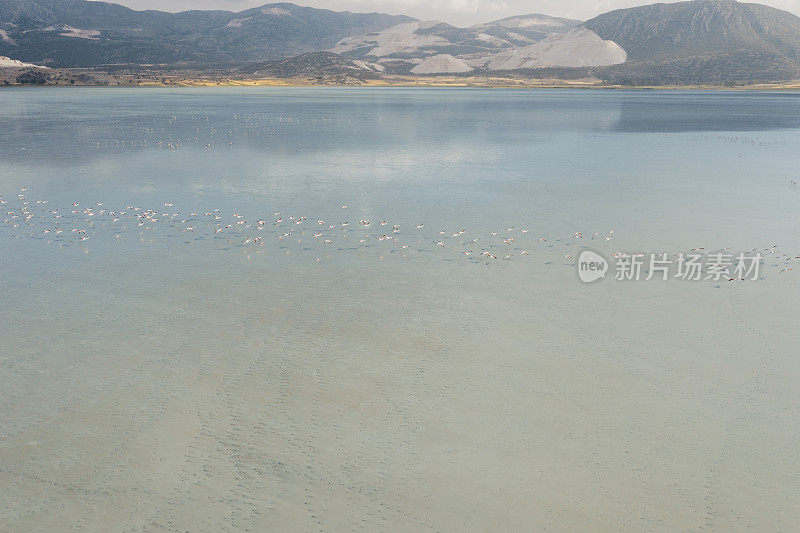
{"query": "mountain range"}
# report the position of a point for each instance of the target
(412, 45)
(79, 33)
(699, 41)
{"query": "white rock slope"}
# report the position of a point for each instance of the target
(441, 64)
(7, 62)
(579, 47)
(397, 39)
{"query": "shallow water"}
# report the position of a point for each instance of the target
(158, 373)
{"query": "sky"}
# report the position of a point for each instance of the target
(456, 12)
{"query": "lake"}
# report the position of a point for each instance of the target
(362, 309)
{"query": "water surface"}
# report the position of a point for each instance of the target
(166, 375)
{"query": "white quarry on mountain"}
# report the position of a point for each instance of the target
(579, 47)
(236, 23)
(529, 21)
(491, 39)
(436, 47)
(7, 62)
(400, 38)
(275, 11)
(369, 66)
(69, 31)
(441, 64)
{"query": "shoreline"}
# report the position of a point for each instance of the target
(532, 84)
(97, 78)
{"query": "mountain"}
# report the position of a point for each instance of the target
(404, 47)
(68, 33)
(695, 42)
(718, 39)
(323, 65)
(532, 27)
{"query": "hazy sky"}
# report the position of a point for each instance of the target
(457, 12)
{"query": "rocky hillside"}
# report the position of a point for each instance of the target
(313, 64)
(63, 33)
(721, 37)
(696, 42)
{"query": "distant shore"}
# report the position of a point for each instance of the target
(98, 78)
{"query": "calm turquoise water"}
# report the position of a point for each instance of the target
(183, 368)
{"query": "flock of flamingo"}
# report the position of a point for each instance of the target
(281, 233)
